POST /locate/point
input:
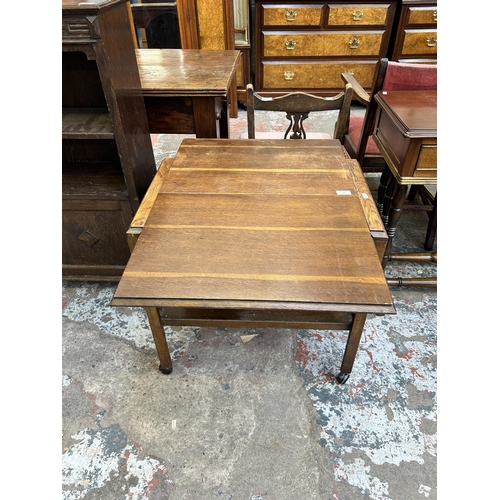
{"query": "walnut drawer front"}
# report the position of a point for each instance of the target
(357, 15)
(417, 42)
(422, 15)
(293, 15)
(330, 44)
(314, 75)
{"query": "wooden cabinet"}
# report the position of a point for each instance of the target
(107, 155)
(416, 36)
(307, 45)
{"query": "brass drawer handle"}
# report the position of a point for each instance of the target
(354, 43)
(290, 44)
(357, 15)
(432, 41)
(435, 16)
(288, 75)
(291, 15)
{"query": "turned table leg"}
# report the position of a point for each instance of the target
(382, 188)
(394, 213)
(156, 325)
(351, 348)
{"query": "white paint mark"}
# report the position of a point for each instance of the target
(424, 490)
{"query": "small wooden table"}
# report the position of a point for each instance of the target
(406, 134)
(259, 233)
(186, 90)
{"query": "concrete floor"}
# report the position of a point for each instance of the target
(250, 414)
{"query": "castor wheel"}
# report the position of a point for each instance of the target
(342, 378)
(166, 371)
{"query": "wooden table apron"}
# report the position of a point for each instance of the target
(406, 135)
(186, 90)
(257, 233)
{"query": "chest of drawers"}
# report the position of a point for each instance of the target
(307, 45)
(416, 37)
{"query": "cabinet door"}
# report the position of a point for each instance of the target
(94, 237)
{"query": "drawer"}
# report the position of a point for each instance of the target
(422, 15)
(419, 42)
(314, 44)
(358, 15)
(427, 159)
(273, 15)
(314, 75)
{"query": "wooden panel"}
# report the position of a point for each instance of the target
(292, 15)
(358, 15)
(94, 232)
(426, 165)
(422, 15)
(322, 44)
(170, 114)
(86, 123)
(211, 25)
(314, 75)
(418, 42)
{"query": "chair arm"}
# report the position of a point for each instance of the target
(359, 92)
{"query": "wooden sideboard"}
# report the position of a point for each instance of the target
(307, 45)
(416, 35)
(107, 155)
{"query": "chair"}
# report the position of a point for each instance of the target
(297, 106)
(389, 75)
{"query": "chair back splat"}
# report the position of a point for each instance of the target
(297, 106)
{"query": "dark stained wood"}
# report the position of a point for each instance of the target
(257, 232)
(107, 155)
(186, 90)
(188, 24)
(296, 107)
(406, 134)
(357, 148)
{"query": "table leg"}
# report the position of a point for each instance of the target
(351, 348)
(205, 117)
(394, 213)
(224, 120)
(387, 201)
(382, 188)
(156, 325)
(431, 227)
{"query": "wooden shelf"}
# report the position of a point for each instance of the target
(86, 123)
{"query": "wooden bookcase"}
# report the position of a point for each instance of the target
(107, 155)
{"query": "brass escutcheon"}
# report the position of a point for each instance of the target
(435, 16)
(288, 75)
(432, 41)
(357, 15)
(290, 44)
(291, 15)
(354, 43)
